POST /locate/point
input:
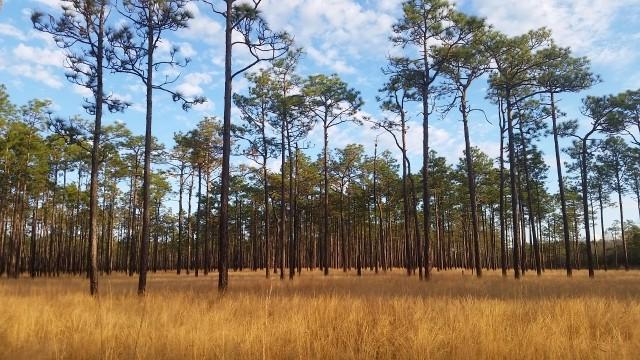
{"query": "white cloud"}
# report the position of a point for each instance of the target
(584, 25)
(38, 73)
(192, 84)
(335, 32)
(330, 59)
(82, 91)
(12, 31)
(187, 50)
(202, 27)
(206, 107)
(40, 56)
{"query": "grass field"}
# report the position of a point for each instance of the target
(385, 316)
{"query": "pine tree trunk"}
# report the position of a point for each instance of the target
(473, 203)
(513, 174)
(325, 200)
(223, 251)
(585, 206)
(563, 201)
(146, 182)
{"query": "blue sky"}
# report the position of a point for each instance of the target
(348, 37)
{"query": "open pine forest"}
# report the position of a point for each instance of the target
(252, 235)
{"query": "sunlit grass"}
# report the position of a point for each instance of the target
(381, 316)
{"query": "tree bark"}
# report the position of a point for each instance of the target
(223, 251)
(563, 200)
(473, 202)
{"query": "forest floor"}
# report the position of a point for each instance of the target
(384, 316)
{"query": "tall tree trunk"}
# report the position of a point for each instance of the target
(32, 260)
(471, 182)
(283, 212)
(604, 246)
(206, 256)
(414, 206)
(405, 202)
(292, 215)
(563, 200)
(265, 174)
(513, 175)
(377, 207)
(198, 232)
(190, 231)
(93, 187)
(325, 199)
(425, 163)
(503, 240)
(146, 182)
(622, 235)
(532, 222)
(179, 243)
(585, 206)
(156, 235)
(223, 236)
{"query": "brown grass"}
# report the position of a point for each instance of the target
(340, 317)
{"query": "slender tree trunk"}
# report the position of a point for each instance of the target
(604, 246)
(563, 201)
(292, 215)
(198, 232)
(503, 240)
(425, 163)
(93, 187)
(206, 256)
(190, 231)
(471, 182)
(585, 206)
(32, 260)
(148, 141)
(156, 235)
(414, 206)
(377, 208)
(325, 200)
(265, 174)
(283, 212)
(179, 243)
(622, 235)
(532, 222)
(513, 175)
(223, 268)
(405, 202)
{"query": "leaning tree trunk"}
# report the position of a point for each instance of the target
(473, 201)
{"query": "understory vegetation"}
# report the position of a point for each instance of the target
(343, 316)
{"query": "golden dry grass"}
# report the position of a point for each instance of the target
(340, 317)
